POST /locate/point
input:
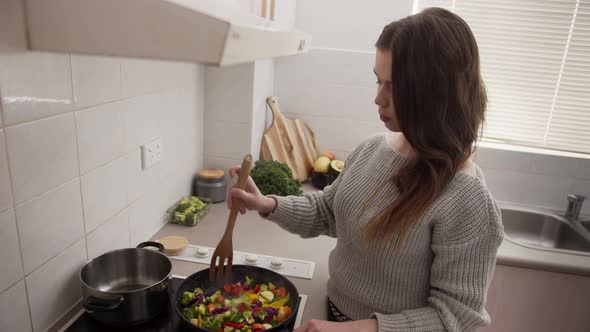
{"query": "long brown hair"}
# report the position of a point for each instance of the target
(439, 99)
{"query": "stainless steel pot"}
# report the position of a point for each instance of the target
(127, 286)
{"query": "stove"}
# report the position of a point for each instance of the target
(164, 322)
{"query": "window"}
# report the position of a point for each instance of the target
(535, 62)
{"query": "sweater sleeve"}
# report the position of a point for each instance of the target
(309, 215)
(465, 248)
(312, 214)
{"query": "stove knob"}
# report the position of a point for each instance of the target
(202, 252)
(251, 259)
(276, 263)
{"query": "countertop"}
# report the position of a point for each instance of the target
(253, 234)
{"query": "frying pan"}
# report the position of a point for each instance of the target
(239, 273)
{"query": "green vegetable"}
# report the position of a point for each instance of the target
(201, 309)
(187, 298)
(212, 298)
(212, 324)
(189, 313)
(273, 177)
(249, 281)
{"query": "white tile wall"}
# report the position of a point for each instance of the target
(12, 269)
(100, 135)
(113, 234)
(5, 192)
(42, 155)
(34, 86)
(229, 93)
(228, 139)
(104, 193)
(96, 80)
(55, 287)
(14, 309)
(50, 223)
(70, 171)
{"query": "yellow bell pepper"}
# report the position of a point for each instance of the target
(200, 321)
(253, 297)
(278, 304)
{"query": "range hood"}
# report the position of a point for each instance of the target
(201, 31)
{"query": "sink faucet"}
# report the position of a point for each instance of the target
(574, 205)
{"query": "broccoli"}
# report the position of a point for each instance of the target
(189, 313)
(187, 298)
(273, 177)
(201, 309)
(212, 325)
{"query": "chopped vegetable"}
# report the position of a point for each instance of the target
(240, 307)
(188, 298)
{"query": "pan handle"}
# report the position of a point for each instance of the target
(152, 244)
(93, 303)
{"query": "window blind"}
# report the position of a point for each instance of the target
(535, 63)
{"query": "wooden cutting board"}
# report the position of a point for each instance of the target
(290, 141)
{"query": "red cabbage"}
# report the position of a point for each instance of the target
(220, 310)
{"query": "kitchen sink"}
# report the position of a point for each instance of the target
(545, 231)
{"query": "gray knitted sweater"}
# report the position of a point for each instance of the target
(437, 280)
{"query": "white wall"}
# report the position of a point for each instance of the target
(236, 112)
(332, 89)
(71, 184)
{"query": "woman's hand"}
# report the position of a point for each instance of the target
(251, 198)
(367, 325)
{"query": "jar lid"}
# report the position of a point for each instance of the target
(211, 173)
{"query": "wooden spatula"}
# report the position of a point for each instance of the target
(225, 248)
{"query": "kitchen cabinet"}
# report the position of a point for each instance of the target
(528, 300)
(205, 31)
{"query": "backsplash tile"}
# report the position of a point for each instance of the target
(55, 287)
(100, 135)
(139, 77)
(68, 135)
(218, 106)
(96, 80)
(554, 165)
(104, 193)
(140, 116)
(583, 169)
(12, 268)
(34, 86)
(49, 223)
(42, 155)
(113, 234)
(14, 309)
(5, 189)
(229, 143)
(506, 160)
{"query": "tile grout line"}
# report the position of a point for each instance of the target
(78, 160)
(20, 247)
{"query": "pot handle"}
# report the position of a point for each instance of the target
(152, 244)
(93, 303)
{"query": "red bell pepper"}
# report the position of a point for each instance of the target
(234, 325)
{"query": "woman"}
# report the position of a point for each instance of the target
(417, 229)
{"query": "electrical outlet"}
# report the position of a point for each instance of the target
(151, 153)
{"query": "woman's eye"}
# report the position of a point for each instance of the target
(378, 82)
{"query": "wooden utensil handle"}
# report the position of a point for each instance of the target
(235, 206)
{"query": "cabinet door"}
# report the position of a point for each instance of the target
(526, 300)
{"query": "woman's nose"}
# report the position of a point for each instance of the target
(380, 99)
